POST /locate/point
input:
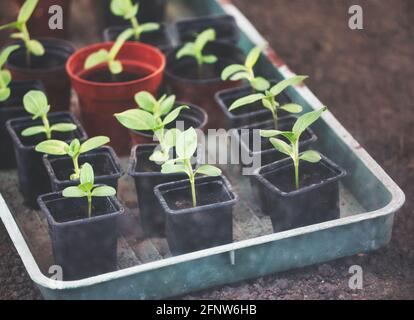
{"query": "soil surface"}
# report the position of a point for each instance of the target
(366, 79)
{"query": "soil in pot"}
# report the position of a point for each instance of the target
(82, 246)
(316, 201)
(225, 26)
(210, 224)
(49, 69)
(196, 85)
(10, 109)
(33, 178)
(103, 160)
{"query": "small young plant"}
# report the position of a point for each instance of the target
(128, 11)
(153, 116)
(109, 57)
(185, 147)
(195, 49)
(87, 189)
(35, 103)
(236, 72)
(293, 137)
(5, 75)
(269, 101)
(73, 150)
(33, 47)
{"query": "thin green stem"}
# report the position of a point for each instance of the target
(135, 26)
(296, 163)
(187, 164)
(76, 167)
(26, 39)
(89, 196)
(46, 124)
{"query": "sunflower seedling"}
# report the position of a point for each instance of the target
(153, 116)
(109, 57)
(33, 47)
(87, 189)
(293, 137)
(185, 147)
(269, 101)
(73, 150)
(5, 75)
(35, 103)
(128, 11)
(236, 72)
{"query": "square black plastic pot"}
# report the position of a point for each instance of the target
(160, 38)
(208, 225)
(103, 160)
(83, 247)
(316, 201)
(33, 178)
(147, 175)
(250, 114)
(225, 26)
(11, 109)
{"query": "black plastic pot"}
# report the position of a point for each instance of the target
(147, 175)
(103, 160)
(199, 86)
(82, 246)
(10, 109)
(159, 38)
(225, 26)
(33, 178)
(208, 225)
(250, 114)
(316, 201)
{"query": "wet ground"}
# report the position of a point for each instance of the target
(366, 78)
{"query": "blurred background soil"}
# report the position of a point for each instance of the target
(366, 78)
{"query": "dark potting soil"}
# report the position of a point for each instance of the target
(105, 76)
(144, 164)
(309, 174)
(49, 61)
(188, 69)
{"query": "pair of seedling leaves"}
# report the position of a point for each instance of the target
(32, 46)
(5, 75)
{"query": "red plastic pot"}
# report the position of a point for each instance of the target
(99, 101)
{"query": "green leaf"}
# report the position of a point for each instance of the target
(6, 77)
(35, 102)
(292, 108)
(174, 114)
(203, 38)
(170, 167)
(167, 104)
(4, 55)
(11, 25)
(186, 143)
(17, 35)
(122, 8)
(103, 191)
(74, 192)
(87, 175)
(307, 120)
(310, 156)
(260, 84)
(74, 148)
(63, 127)
(270, 133)
(4, 94)
(239, 76)
(252, 57)
(282, 85)
(170, 137)
(32, 131)
(27, 10)
(246, 101)
(281, 146)
(148, 27)
(187, 50)
(53, 147)
(120, 40)
(137, 119)
(159, 156)
(35, 47)
(232, 69)
(208, 170)
(96, 58)
(93, 143)
(146, 101)
(210, 59)
(115, 67)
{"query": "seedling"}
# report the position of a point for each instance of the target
(32, 46)
(293, 137)
(5, 75)
(195, 49)
(128, 11)
(35, 103)
(73, 150)
(269, 101)
(236, 72)
(153, 116)
(87, 189)
(185, 147)
(109, 57)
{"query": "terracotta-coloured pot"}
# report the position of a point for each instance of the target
(99, 101)
(49, 69)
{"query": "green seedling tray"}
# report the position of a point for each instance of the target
(369, 198)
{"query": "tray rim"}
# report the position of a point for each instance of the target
(396, 202)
